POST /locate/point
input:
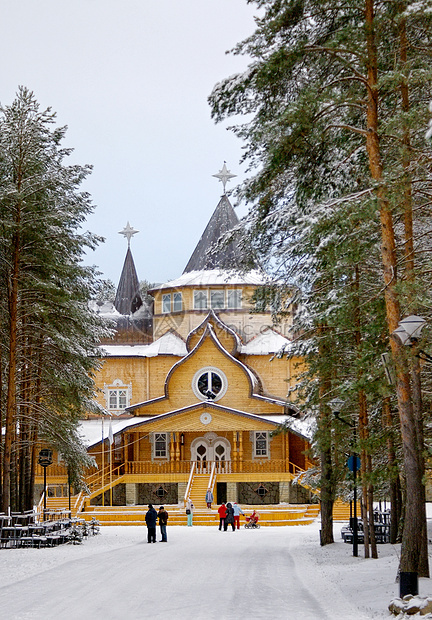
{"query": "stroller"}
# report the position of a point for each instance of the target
(252, 521)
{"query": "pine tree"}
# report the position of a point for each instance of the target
(49, 333)
(336, 97)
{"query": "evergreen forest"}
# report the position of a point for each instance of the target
(333, 111)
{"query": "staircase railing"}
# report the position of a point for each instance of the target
(189, 484)
(212, 478)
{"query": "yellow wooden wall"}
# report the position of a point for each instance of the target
(147, 375)
(247, 325)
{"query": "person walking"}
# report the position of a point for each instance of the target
(222, 514)
(163, 520)
(209, 498)
(150, 519)
(189, 512)
(229, 519)
(237, 512)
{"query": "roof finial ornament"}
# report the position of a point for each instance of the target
(224, 175)
(128, 232)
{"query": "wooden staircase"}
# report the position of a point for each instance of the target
(274, 515)
(341, 511)
(198, 491)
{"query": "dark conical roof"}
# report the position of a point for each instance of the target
(128, 299)
(229, 255)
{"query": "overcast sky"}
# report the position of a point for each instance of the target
(131, 79)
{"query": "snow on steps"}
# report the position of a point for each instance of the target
(293, 514)
(341, 510)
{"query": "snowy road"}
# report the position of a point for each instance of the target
(200, 574)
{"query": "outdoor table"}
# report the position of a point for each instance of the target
(12, 534)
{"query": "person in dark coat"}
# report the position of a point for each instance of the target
(150, 519)
(229, 519)
(163, 520)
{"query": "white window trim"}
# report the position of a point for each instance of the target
(254, 438)
(117, 384)
(166, 296)
(200, 372)
(217, 290)
(153, 447)
(205, 292)
(173, 302)
(238, 292)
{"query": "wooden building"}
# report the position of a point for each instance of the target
(193, 390)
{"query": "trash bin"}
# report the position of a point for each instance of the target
(408, 584)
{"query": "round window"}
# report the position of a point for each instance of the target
(209, 384)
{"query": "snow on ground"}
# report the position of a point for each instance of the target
(201, 573)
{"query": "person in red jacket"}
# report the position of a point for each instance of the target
(222, 514)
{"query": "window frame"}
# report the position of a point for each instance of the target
(204, 296)
(113, 390)
(237, 294)
(260, 453)
(166, 297)
(210, 370)
(177, 304)
(164, 454)
(119, 393)
(217, 292)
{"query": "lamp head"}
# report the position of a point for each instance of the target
(336, 405)
(413, 325)
(402, 335)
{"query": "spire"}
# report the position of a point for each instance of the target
(206, 254)
(211, 251)
(128, 298)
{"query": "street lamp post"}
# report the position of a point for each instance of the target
(409, 333)
(44, 460)
(336, 405)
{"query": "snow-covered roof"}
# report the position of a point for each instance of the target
(216, 277)
(91, 430)
(168, 344)
(303, 426)
(265, 343)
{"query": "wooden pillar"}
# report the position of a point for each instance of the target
(177, 452)
(234, 452)
(286, 445)
(172, 451)
(240, 452)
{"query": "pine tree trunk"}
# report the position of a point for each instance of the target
(325, 451)
(414, 515)
(12, 370)
(326, 498)
(395, 491)
(370, 498)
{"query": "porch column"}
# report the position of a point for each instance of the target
(177, 452)
(136, 444)
(284, 492)
(231, 492)
(126, 452)
(131, 494)
(172, 451)
(240, 452)
(182, 486)
(286, 448)
(234, 453)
